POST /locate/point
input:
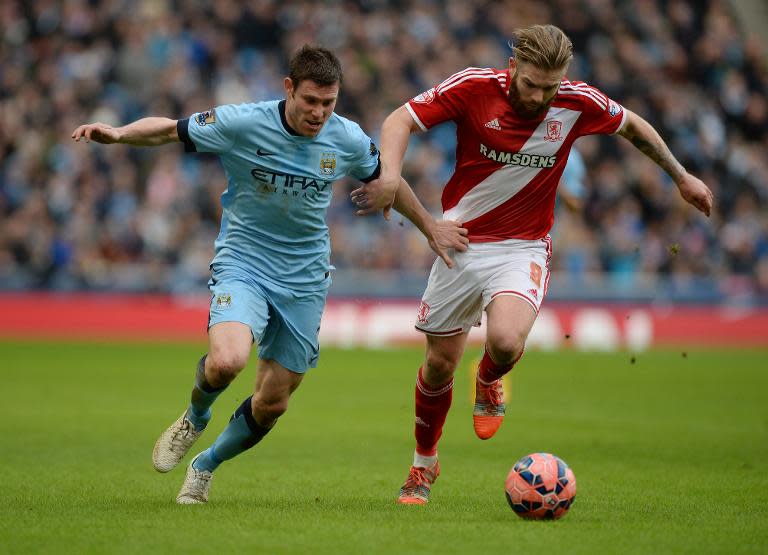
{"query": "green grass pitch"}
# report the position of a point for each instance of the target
(670, 454)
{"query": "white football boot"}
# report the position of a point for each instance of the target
(174, 443)
(197, 483)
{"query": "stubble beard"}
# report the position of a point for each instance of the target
(523, 110)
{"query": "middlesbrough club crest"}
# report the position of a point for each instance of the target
(423, 312)
(554, 127)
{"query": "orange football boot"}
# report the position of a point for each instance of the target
(415, 490)
(489, 408)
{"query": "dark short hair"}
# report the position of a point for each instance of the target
(314, 63)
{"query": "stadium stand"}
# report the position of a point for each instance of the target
(76, 218)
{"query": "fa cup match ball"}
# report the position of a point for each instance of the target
(541, 487)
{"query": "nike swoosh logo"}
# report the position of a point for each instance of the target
(260, 152)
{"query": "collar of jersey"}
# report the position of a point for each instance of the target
(290, 130)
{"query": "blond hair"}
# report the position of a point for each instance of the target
(544, 46)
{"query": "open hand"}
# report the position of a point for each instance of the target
(376, 195)
(98, 132)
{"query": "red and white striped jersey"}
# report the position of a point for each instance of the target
(508, 168)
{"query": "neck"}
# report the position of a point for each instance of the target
(287, 124)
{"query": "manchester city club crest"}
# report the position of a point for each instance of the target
(223, 300)
(328, 163)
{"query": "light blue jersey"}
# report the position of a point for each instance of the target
(574, 174)
(278, 188)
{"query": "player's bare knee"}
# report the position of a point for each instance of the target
(439, 368)
(506, 349)
(224, 366)
(267, 410)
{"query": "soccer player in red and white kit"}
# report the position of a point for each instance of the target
(515, 128)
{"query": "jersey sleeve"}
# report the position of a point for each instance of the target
(365, 165)
(600, 114)
(446, 101)
(213, 130)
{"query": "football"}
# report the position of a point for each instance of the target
(540, 486)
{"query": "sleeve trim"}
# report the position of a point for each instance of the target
(623, 120)
(182, 129)
(414, 116)
(375, 175)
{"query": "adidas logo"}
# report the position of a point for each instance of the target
(494, 124)
(534, 293)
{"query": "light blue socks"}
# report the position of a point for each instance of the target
(242, 433)
(203, 396)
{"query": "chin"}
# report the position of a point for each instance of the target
(534, 113)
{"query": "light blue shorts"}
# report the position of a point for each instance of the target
(284, 323)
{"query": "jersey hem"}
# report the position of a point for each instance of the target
(254, 273)
(498, 239)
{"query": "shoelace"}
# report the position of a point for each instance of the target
(199, 485)
(203, 475)
(416, 478)
(182, 434)
(493, 392)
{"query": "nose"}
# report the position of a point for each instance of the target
(537, 96)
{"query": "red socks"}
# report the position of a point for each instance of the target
(432, 404)
(489, 371)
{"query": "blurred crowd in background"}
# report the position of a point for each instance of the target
(75, 216)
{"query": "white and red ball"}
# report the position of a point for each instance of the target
(540, 486)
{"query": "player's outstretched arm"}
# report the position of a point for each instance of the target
(441, 234)
(395, 132)
(642, 134)
(152, 131)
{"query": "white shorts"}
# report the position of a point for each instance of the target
(455, 298)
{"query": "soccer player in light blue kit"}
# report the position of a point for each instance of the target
(271, 271)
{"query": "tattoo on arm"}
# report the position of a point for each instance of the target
(659, 153)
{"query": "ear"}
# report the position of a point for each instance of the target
(512, 66)
(288, 86)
